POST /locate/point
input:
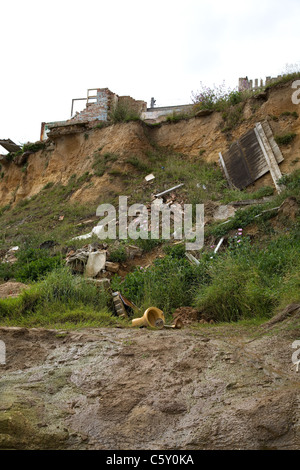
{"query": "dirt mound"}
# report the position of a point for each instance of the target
(11, 289)
(187, 315)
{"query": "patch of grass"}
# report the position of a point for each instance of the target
(139, 164)
(236, 195)
(289, 113)
(251, 281)
(285, 139)
(60, 300)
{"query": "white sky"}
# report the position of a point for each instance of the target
(53, 51)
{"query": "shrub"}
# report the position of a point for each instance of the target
(285, 139)
(36, 269)
(118, 255)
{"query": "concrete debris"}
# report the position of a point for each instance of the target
(119, 305)
(223, 212)
(91, 260)
(9, 145)
(77, 260)
(95, 263)
(112, 267)
(10, 255)
(133, 251)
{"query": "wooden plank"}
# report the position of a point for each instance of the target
(276, 150)
(269, 155)
(225, 170)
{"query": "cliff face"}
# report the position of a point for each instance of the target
(69, 154)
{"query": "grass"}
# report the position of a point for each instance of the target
(60, 300)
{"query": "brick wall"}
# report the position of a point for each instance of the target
(106, 100)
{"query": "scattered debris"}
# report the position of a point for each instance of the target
(192, 259)
(133, 251)
(177, 325)
(10, 256)
(9, 145)
(119, 305)
(187, 315)
(112, 267)
(47, 245)
(218, 245)
(149, 177)
(169, 190)
(224, 212)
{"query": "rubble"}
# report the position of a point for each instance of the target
(10, 255)
(95, 263)
(112, 267)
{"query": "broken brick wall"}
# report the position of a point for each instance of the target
(98, 110)
(138, 106)
(106, 100)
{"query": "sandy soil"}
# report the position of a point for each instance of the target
(210, 388)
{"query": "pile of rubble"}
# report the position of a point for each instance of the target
(9, 256)
(93, 261)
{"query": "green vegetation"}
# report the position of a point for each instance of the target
(60, 300)
(29, 147)
(285, 139)
(289, 113)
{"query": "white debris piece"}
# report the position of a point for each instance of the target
(96, 262)
(149, 177)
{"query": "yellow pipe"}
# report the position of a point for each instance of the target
(149, 318)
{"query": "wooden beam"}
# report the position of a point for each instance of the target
(269, 155)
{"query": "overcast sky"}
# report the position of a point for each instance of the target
(53, 51)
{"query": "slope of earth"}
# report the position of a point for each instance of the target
(219, 387)
(199, 137)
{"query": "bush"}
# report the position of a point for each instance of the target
(247, 281)
(34, 270)
(285, 139)
(118, 255)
